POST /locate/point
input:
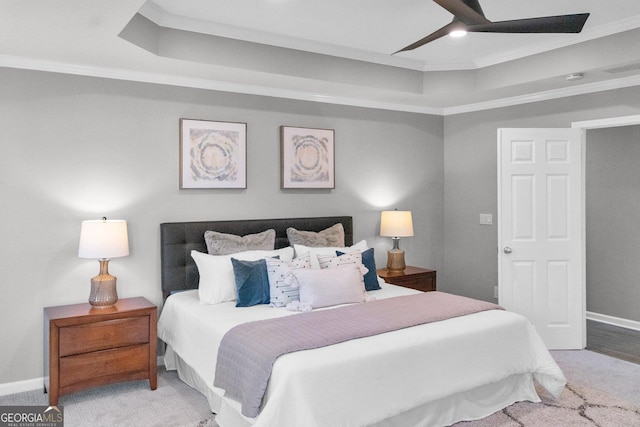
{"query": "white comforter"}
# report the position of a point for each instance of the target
(366, 381)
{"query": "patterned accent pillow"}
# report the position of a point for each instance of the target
(332, 236)
(353, 258)
(328, 250)
(371, 278)
(283, 288)
(227, 244)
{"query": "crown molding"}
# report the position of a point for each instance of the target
(210, 84)
(545, 95)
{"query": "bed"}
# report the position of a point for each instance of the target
(432, 374)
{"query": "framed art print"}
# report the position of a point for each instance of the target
(307, 157)
(213, 154)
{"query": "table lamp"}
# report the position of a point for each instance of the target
(396, 224)
(103, 239)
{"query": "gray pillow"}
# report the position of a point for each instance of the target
(332, 236)
(227, 244)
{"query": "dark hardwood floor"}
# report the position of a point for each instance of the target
(621, 343)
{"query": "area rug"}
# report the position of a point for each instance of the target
(209, 422)
(578, 406)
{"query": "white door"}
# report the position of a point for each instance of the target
(541, 231)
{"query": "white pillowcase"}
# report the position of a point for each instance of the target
(315, 251)
(217, 282)
(324, 288)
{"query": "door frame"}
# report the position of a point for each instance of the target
(584, 126)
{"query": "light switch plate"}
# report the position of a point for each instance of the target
(486, 219)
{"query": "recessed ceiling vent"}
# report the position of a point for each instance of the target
(623, 68)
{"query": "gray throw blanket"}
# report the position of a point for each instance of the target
(247, 351)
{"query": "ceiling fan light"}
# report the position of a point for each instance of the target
(458, 33)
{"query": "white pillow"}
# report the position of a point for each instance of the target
(323, 288)
(346, 259)
(217, 282)
(314, 252)
(283, 288)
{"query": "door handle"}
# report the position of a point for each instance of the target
(507, 250)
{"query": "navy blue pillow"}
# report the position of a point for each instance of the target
(252, 282)
(369, 261)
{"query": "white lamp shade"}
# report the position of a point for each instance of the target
(396, 224)
(103, 239)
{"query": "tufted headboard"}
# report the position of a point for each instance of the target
(178, 239)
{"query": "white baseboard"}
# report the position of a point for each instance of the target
(22, 386)
(616, 321)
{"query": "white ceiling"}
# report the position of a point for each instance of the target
(328, 50)
(374, 29)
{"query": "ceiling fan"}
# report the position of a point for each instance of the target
(469, 17)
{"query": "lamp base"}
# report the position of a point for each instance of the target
(103, 288)
(395, 260)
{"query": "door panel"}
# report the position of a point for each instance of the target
(558, 197)
(541, 222)
(523, 207)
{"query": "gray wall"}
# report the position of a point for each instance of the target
(470, 259)
(75, 148)
(612, 217)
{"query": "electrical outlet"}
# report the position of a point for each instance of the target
(486, 219)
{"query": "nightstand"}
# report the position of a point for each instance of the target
(88, 347)
(421, 279)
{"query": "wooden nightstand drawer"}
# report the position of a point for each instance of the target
(102, 335)
(421, 284)
(417, 278)
(88, 367)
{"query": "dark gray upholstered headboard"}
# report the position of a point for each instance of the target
(178, 239)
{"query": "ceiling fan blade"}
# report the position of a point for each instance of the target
(548, 24)
(431, 37)
(467, 11)
(469, 14)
